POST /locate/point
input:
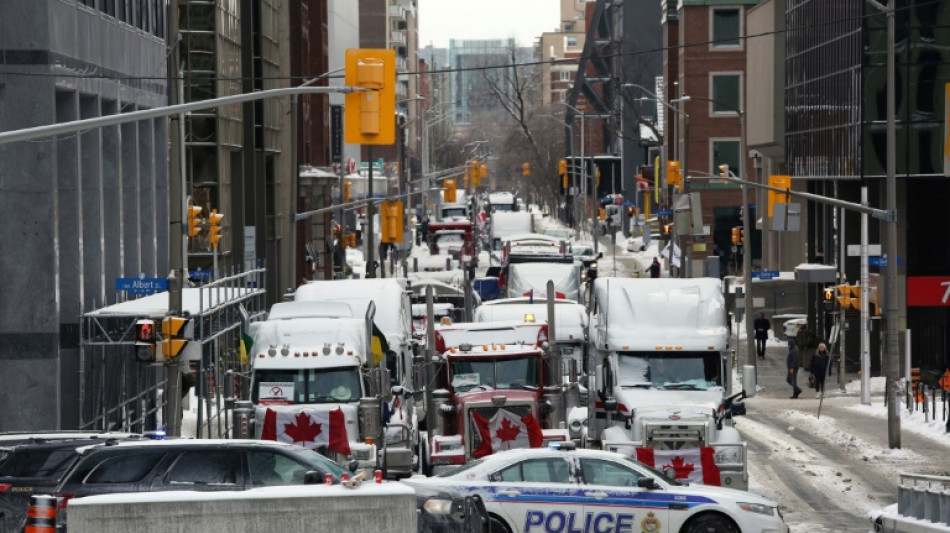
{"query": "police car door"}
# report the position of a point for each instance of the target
(614, 503)
(536, 495)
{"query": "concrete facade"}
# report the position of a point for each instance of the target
(82, 210)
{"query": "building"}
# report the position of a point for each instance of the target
(83, 209)
(565, 43)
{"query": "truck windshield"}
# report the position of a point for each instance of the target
(469, 373)
(683, 370)
(306, 385)
(455, 212)
(502, 207)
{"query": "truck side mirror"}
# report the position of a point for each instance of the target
(748, 380)
(600, 254)
(610, 405)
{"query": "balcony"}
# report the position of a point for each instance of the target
(397, 38)
(398, 12)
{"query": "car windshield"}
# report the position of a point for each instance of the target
(313, 458)
(583, 251)
(683, 370)
(471, 464)
(472, 373)
(306, 385)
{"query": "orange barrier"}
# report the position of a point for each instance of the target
(41, 515)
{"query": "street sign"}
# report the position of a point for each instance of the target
(664, 212)
(200, 274)
(878, 261)
(336, 133)
(854, 250)
(765, 274)
(141, 285)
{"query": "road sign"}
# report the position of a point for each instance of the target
(664, 212)
(200, 274)
(878, 261)
(765, 274)
(141, 285)
(854, 250)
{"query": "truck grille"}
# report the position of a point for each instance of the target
(674, 436)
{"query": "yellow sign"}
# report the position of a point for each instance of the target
(779, 182)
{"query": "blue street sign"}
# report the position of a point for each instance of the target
(200, 274)
(141, 285)
(765, 274)
(664, 212)
(877, 261)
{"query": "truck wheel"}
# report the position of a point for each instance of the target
(710, 523)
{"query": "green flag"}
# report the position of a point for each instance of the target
(379, 346)
(246, 344)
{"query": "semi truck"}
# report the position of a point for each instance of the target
(489, 395)
(662, 372)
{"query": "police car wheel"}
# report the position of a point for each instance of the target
(710, 523)
(497, 525)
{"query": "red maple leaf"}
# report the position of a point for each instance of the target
(507, 432)
(303, 430)
(681, 467)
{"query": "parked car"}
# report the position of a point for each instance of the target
(36, 464)
(530, 489)
(443, 509)
(640, 243)
(185, 464)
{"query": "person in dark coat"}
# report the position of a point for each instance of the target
(762, 327)
(793, 361)
(655, 268)
(819, 368)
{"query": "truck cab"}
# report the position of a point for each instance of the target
(662, 364)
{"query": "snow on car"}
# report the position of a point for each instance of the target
(560, 489)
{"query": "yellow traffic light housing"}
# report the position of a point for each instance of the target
(526, 169)
(370, 114)
(173, 333)
(482, 171)
(391, 221)
(562, 167)
(214, 227)
(346, 191)
(736, 235)
(450, 186)
(779, 182)
(673, 174)
(192, 212)
(724, 172)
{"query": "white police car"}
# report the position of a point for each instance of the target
(567, 490)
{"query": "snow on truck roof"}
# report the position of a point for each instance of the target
(311, 336)
(643, 313)
(570, 318)
(390, 295)
(288, 310)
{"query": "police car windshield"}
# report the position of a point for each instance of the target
(682, 370)
(470, 373)
(306, 385)
(471, 464)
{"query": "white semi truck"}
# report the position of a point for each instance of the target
(662, 378)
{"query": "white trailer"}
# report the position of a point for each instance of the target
(660, 350)
(504, 224)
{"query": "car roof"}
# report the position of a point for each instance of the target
(192, 444)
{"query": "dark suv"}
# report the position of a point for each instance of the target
(199, 465)
(30, 465)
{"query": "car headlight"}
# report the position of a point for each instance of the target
(757, 508)
(438, 506)
(593, 266)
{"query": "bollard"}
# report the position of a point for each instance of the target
(41, 515)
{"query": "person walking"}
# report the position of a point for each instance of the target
(762, 327)
(819, 368)
(655, 268)
(793, 361)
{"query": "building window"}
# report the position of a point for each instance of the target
(726, 27)
(726, 93)
(725, 152)
(571, 42)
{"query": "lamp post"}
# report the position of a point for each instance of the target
(746, 228)
(583, 162)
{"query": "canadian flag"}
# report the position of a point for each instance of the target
(695, 465)
(506, 431)
(308, 427)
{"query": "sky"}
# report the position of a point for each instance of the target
(525, 20)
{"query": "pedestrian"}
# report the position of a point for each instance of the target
(793, 361)
(762, 327)
(819, 368)
(655, 268)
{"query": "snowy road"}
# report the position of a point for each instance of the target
(827, 473)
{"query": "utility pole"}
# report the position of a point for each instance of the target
(177, 240)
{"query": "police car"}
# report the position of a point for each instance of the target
(566, 490)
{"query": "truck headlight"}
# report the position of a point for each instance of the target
(593, 266)
(757, 508)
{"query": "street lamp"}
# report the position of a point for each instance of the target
(746, 229)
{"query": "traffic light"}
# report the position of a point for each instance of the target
(475, 173)
(673, 174)
(603, 214)
(391, 221)
(370, 115)
(736, 235)
(348, 241)
(562, 167)
(597, 175)
(450, 187)
(724, 172)
(779, 182)
(144, 340)
(482, 171)
(192, 213)
(214, 227)
(173, 336)
(526, 169)
(346, 191)
(829, 299)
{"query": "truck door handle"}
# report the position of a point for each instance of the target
(509, 492)
(600, 495)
